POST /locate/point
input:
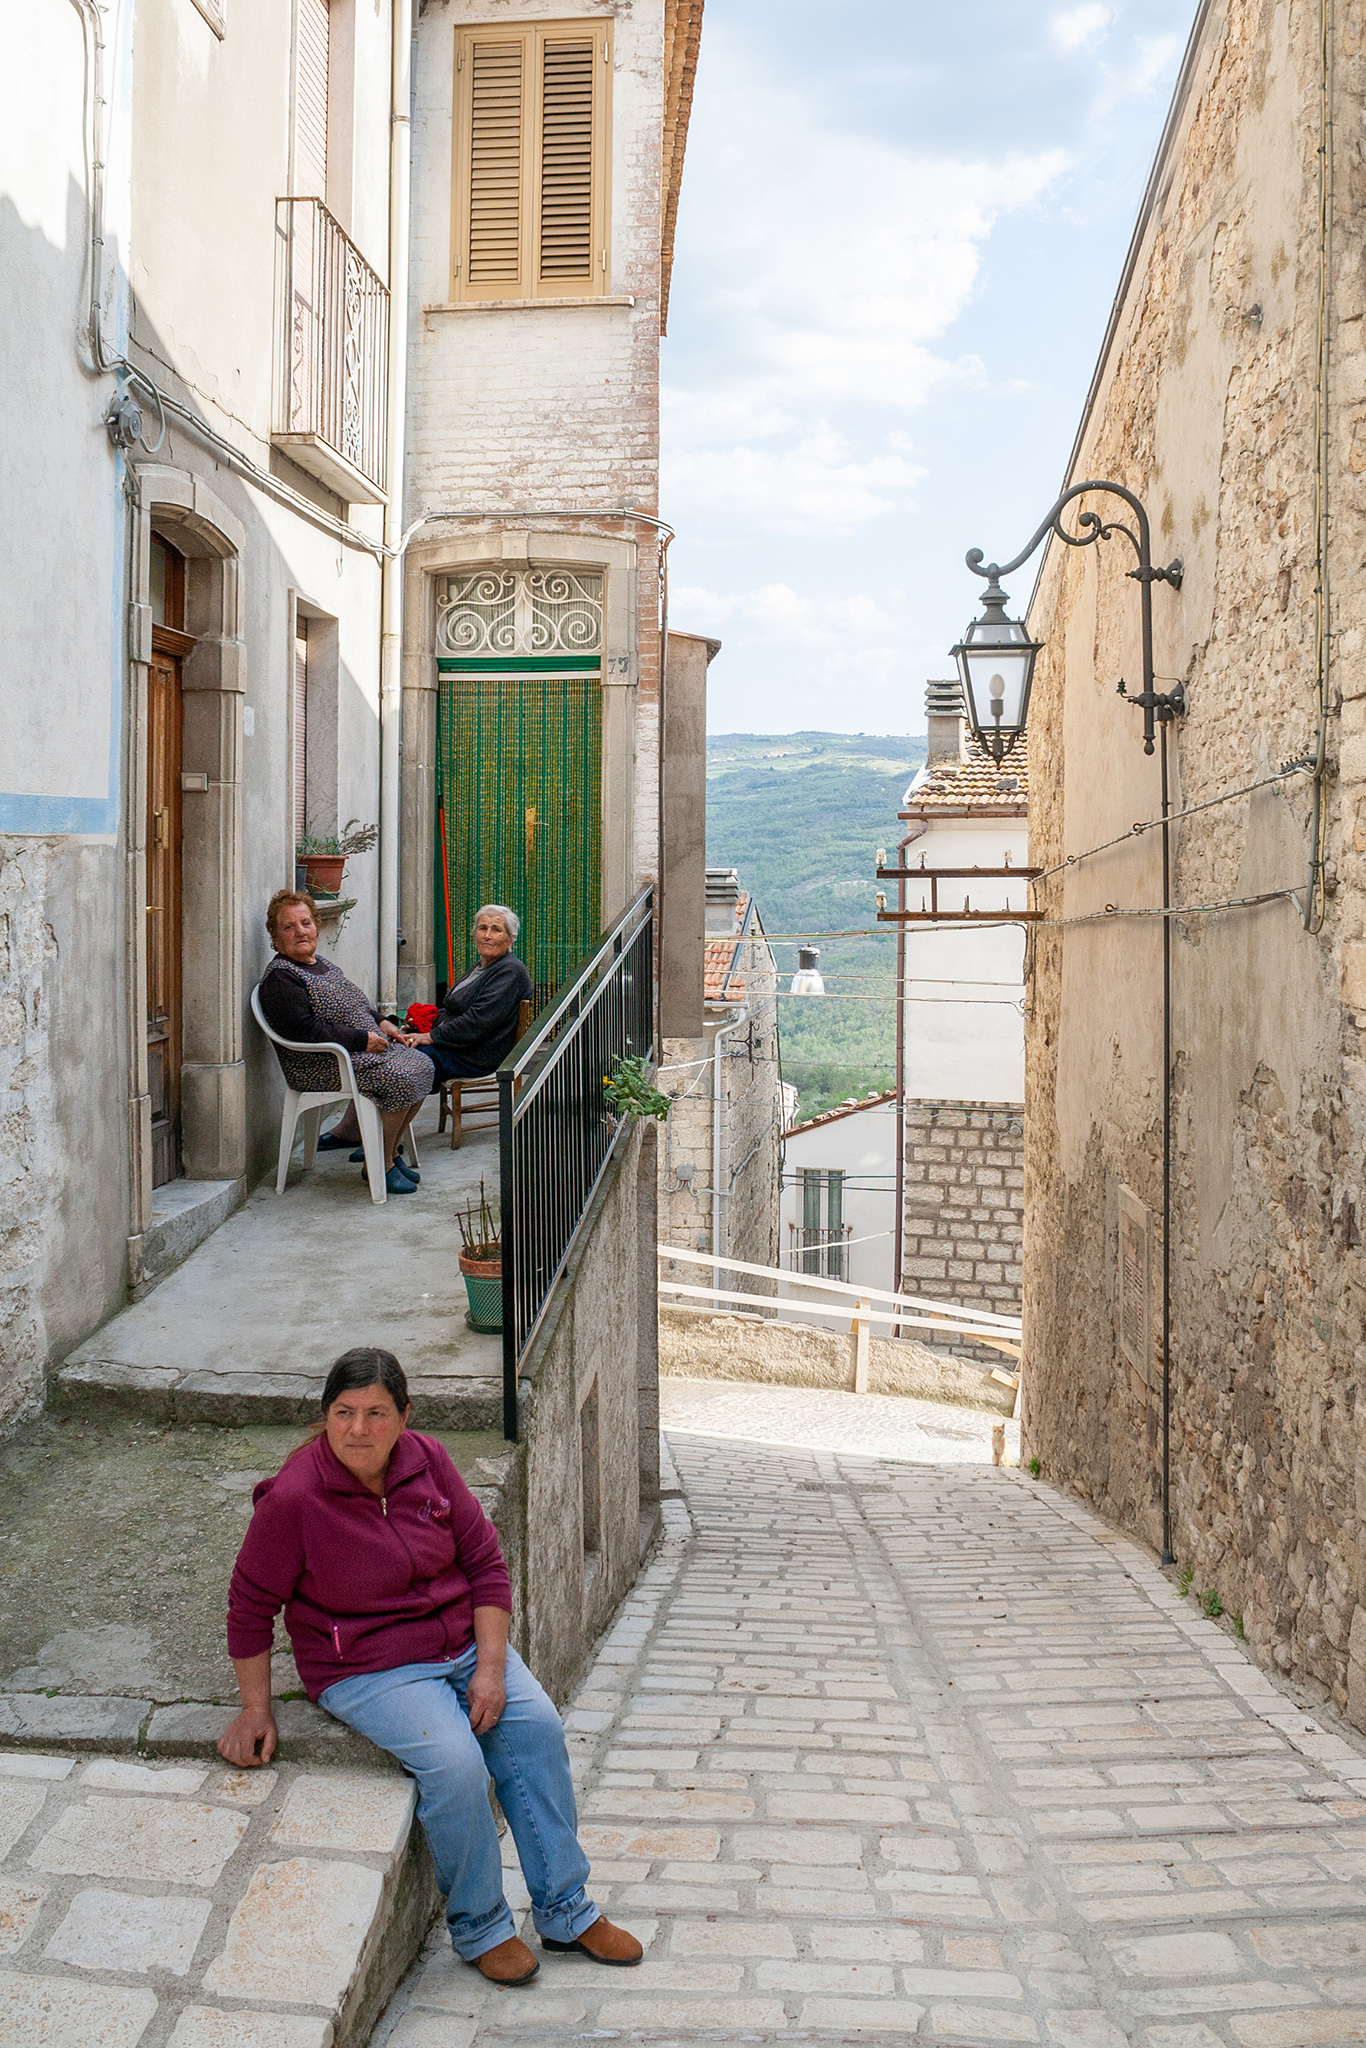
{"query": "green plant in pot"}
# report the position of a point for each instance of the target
(481, 1262)
(323, 857)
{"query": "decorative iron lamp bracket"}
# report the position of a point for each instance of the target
(1156, 705)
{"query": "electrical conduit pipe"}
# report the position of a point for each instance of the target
(391, 592)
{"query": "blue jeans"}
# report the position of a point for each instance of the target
(418, 1713)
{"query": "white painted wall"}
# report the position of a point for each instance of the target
(862, 1145)
(965, 983)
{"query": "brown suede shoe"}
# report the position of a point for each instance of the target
(604, 1943)
(508, 1965)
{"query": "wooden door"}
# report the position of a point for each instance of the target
(165, 722)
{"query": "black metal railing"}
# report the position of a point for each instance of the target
(332, 353)
(556, 1132)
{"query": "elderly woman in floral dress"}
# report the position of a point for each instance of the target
(312, 1002)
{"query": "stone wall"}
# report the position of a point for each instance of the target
(1206, 406)
(964, 1204)
(580, 1502)
(697, 1344)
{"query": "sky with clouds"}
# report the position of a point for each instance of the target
(901, 229)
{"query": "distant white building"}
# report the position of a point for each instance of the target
(963, 1059)
(838, 1208)
(965, 982)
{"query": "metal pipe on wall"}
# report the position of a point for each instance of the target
(717, 1097)
(391, 590)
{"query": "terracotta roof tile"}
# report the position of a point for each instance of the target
(718, 984)
(973, 783)
(832, 1116)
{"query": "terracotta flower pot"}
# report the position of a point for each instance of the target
(324, 871)
(484, 1287)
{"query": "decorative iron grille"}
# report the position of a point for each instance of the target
(556, 1133)
(333, 311)
(510, 612)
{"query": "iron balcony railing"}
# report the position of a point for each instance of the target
(820, 1251)
(332, 323)
(556, 1132)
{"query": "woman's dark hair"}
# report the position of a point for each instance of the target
(366, 1367)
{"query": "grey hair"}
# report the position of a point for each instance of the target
(512, 924)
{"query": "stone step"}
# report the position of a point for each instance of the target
(205, 1907)
(172, 1396)
(109, 1724)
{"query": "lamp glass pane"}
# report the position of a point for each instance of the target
(997, 678)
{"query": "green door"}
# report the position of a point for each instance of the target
(519, 781)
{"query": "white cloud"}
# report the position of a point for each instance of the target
(1076, 28)
(836, 264)
(811, 486)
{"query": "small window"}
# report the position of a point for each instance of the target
(531, 155)
(823, 1231)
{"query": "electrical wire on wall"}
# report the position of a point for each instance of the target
(1314, 896)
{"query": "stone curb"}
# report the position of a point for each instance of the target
(104, 1724)
(170, 1396)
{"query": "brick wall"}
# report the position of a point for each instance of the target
(964, 1206)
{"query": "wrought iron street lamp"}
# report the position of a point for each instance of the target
(996, 663)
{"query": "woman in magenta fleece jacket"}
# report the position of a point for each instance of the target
(397, 1602)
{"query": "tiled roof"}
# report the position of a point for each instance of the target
(849, 1108)
(719, 985)
(973, 783)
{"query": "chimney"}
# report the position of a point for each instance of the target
(944, 722)
(723, 901)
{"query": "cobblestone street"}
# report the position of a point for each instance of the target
(924, 1751)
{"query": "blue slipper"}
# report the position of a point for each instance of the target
(397, 1183)
(358, 1156)
(405, 1166)
(330, 1142)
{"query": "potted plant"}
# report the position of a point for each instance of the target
(481, 1263)
(323, 857)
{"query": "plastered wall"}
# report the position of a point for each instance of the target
(1207, 409)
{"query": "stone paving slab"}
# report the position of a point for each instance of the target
(201, 1906)
(898, 1750)
(386, 1275)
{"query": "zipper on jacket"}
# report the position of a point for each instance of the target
(336, 1637)
(384, 1505)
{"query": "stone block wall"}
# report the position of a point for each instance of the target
(1208, 405)
(964, 1207)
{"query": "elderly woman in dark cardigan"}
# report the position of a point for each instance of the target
(397, 1603)
(311, 1001)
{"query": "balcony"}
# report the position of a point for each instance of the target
(332, 354)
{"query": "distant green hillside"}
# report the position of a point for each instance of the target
(801, 815)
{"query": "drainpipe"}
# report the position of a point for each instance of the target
(732, 1023)
(391, 576)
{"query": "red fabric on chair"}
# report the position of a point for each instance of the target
(421, 1016)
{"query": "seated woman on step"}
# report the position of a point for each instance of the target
(397, 1602)
(311, 1001)
(477, 1026)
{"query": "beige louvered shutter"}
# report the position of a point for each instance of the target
(530, 169)
(493, 99)
(310, 99)
(566, 195)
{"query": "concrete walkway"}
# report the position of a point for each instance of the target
(920, 1751)
(245, 1329)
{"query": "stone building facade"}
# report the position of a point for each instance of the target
(1230, 396)
(720, 1151)
(964, 1202)
(171, 178)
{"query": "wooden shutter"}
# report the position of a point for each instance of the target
(531, 151)
(300, 729)
(566, 198)
(310, 99)
(494, 265)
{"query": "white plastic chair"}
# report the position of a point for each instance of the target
(308, 1106)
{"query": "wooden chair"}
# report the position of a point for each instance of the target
(453, 1092)
(308, 1107)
